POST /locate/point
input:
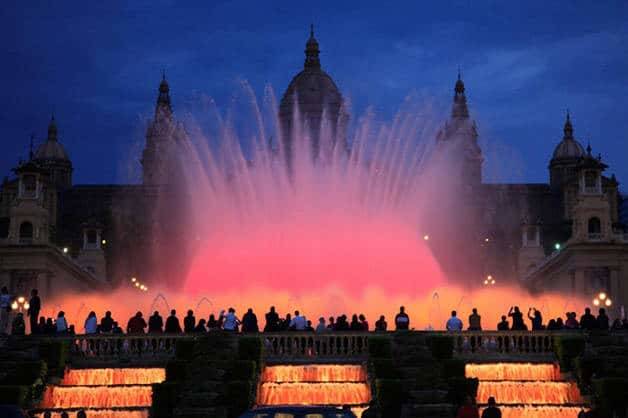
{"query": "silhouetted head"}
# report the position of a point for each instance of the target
(402, 309)
(587, 310)
(491, 401)
(173, 312)
(503, 317)
(272, 309)
(202, 322)
(231, 310)
(155, 313)
(190, 312)
(309, 323)
(331, 319)
(64, 415)
(516, 309)
(362, 317)
(92, 314)
(212, 317)
(61, 314)
(382, 318)
(354, 318)
(454, 313)
(34, 292)
(138, 314)
(47, 414)
(250, 310)
(108, 314)
(321, 320)
(81, 414)
(602, 311)
(474, 310)
(296, 313)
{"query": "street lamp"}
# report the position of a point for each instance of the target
(489, 280)
(602, 299)
(426, 237)
(20, 304)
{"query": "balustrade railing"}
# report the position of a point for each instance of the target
(306, 345)
(503, 342)
(120, 347)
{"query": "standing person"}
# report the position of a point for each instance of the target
(322, 326)
(517, 319)
(136, 324)
(5, 309)
(299, 322)
(249, 322)
(402, 320)
(189, 322)
(18, 327)
(91, 323)
(603, 321)
(355, 324)
(106, 323)
(381, 325)
(272, 321)
(61, 323)
(363, 322)
(571, 322)
(491, 411)
(588, 321)
(172, 323)
(200, 327)
(537, 319)
(332, 323)
(212, 323)
(231, 321)
(468, 410)
(155, 323)
(475, 321)
(454, 323)
(33, 310)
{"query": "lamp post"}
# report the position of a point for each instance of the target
(20, 304)
(602, 299)
(489, 281)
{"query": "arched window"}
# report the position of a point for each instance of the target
(595, 228)
(26, 232)
(590, 179)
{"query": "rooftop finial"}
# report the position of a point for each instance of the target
(588, 148)
(568, 129)
(311, 51)
(52, 129)
(459, 76)
(30, 151)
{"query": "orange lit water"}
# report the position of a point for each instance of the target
(513, 371)
(530, 411)
(314, 373)
(102, 413)
(537, 393)
(313, 394)
(97, 396)
(102, 377)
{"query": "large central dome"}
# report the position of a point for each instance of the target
(311, 101)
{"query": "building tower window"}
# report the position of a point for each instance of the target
(26, 233)
(29, 186)
(595, 228)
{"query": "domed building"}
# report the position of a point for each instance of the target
(51, 155)
(312, 108)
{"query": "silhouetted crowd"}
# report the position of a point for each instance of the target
(229, 321)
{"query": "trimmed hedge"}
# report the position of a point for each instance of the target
(380, 347)
(442, 346)
(384, 368)
(390, 396)
(460, 388)
(250, 348)
(567, 348)
(164, 399)
(611, 395)
(15, 395)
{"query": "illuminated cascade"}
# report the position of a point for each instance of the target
(513, 371)
(103, 393)
(334, 385)
(527, 390)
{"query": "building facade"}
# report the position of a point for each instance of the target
(565, 235)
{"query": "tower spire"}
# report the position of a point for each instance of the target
(30, 151)
(459, 109)
(568, 129)
(164, 107)
(52, 129)
(312, 60)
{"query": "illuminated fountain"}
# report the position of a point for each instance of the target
(334, 385)
(103, 393)
(527, 390)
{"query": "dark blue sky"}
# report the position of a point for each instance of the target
(97, 67)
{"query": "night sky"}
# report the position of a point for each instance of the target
(97, 66)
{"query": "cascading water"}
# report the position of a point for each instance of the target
(527, 390)
(104, 393)
(334, 385)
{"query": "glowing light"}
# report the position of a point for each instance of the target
(21, 300)
(426, 237)
(602, 296)
(133, 279)
(608, 302)
(65, 250)
(137, 284)
(486, 239)
(513, 371)
(14, 306)
(557, 246)
(596, 302)
(103, 242)
(27, 305)
(103, 377)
